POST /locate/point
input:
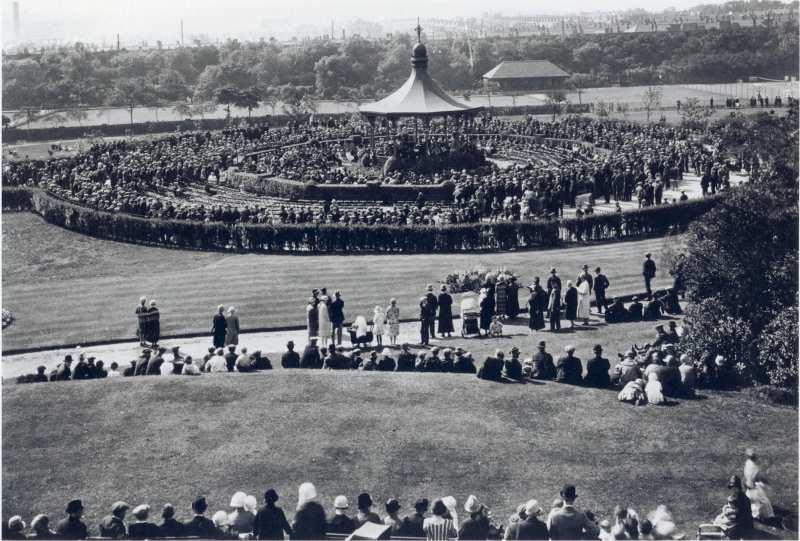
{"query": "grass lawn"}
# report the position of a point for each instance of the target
(63, 287)
(159, 440)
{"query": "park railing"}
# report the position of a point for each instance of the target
(341, 238)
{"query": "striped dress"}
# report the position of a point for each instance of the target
(439, 531)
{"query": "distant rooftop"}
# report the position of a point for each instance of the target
(523, 69)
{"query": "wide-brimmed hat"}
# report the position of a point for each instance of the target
(119, 506)
(569, 349)
(141, 511)
(597, 347)
(472, 505)
(541, 344)
(532, 508)
(568, 492)
(340, 502)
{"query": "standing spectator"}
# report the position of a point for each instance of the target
(72, 527)
(341, 523)
(476, 526)
(153, 326)
(170, 527)
(365, 513)
(270, 522)
(537, 304)
(501, 298)
(571, 303)
(325, 329)
(393, 321)
(436, 527)
(309, 520)
(219, 327)
(531, 527)
(649, 272)
(554, 309)
(433, 304)
(141, 319)
(112, 525)
(378, 323)
(200, 526)
(597, 369)
(290, 359)
(445, 302)
(757, 488)
(142, 528)
(313, 317)
(600, 286)
(584, 302)
(486, 303)
(553, 282)
(337, 317)
(568, 368)
(569, 522)
(424, 324)
(232, 330)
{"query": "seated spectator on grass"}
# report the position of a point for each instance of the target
(231, 357)
(446, 363)
(270, 521)
(464, 363)
(244, 362)
(113, 525)
(189, 368)
(542, 366)
(627, 369)
(633, 392)
(597, 369)
(512, 367)
(170, 527)
(386, 363)
(176, 355)
(81, 370)
(626, 523)
(635, 310)
(530, 527)
(309, 520)
(688, 376)
(416, 521)
(15, 527)
(432, 362)
(436, 527)
(311, 357)
(569, 368)
(393, 519)
(130, 371)
(355, 359)
(492, 368)
(63, 371)
(652, 310)
(662, 337)
(290, 359)
(340, 523)
(216, 364)
(371, 363)
(101, 370)
(405, 361)
(260, 362)
(668, 376)
(72, 527)
(167, 368)
(569, 522)
(654, 390)
(496, 327)
(142, 528)
(477, 525)
(240, 520)
(616, 312)
(39, 376)
(365, 513)
(200, 526)
(142, 362)
(154, 366)
(40, 528)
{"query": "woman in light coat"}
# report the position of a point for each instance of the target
(325, 329)
(393, 319)
(378, 319)
(584, 302)
(232, 332)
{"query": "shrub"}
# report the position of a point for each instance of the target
(777, 350)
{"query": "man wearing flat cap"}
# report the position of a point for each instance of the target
(512, 367)
(112, 525)
(597, 369)
(569, 368)
(543, 366)
(72, 527)
(601, 284)
(569, 522)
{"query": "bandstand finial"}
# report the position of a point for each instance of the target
(419, 31)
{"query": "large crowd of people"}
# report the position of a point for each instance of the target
(440, 520)
(608, 160)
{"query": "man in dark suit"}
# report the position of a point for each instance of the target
(464, 363)
(512, 368)
(649, 272)
(154, 366)
(337, 316)
(543, 366)
(600, 286)
(597, 369)
(569, 522)
(311, 357)
(131, 370)
(230, 357)
(72, 527)
(63, 371)
(386, 363)
(415, 521)
(530, 527)
(200, 526)
(635, 310)
(170, 527)
(568, 368)
(492, 368)
(290, 359)
(553, 282)
(142, 362)
(219, 327)
(142, 529)
(433, 305)
(112, 525)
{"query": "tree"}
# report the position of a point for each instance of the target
(232, 96)
(651, 99)
(556, 101)
(694, 115)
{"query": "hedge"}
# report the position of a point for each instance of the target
(340, 238)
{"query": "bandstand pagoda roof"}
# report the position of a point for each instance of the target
(419, 96)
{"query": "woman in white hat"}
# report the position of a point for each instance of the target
(240, 520)
(325, 327)
(309, 520)
(341, 523)
(757, 488)
(142, 528)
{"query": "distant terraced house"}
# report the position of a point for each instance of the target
(526, 75)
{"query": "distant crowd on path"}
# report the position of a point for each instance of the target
(749, 499)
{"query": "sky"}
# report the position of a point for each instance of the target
(98, 20)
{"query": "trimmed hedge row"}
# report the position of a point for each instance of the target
(17, 198)
(340, 238)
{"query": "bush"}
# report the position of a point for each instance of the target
(17, 198)
(777, 350)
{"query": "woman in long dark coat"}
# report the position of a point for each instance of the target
(571, 303)
(537, 304)
(445, 313)
(313, 317)
(486, 302)
(219, 327)
(153, 330)
(512, 299)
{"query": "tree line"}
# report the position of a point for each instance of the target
(246, 74)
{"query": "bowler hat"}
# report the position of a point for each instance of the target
(364, 501)
(392, 505)
(597, 347)
(421, 504)
(74, 506)
(568, 492)
(200, 505)
(541, 344)
(271, 496)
